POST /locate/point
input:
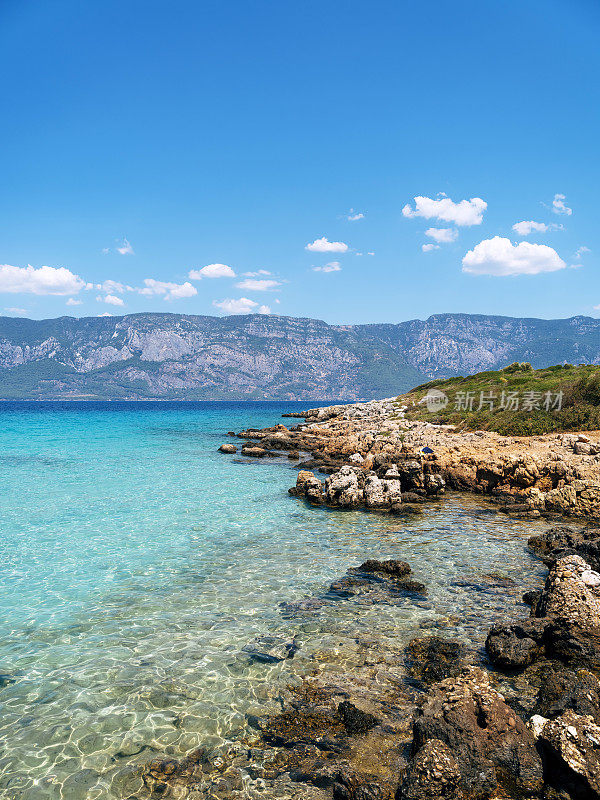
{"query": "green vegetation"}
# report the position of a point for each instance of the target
(517, 400)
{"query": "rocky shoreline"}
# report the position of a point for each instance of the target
(519, 718)
(374, 456)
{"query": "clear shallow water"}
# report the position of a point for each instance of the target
(136, 562)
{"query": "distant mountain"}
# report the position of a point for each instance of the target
(176, 356)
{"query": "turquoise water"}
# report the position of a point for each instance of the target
(137, 561)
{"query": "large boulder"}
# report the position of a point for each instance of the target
(381, 493)
(494, 750)
(516, 646)
(564, 689)
(309, 487)
(571, 599)
(343, 489)
(572, 747)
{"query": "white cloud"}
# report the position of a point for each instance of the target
(442, 234)
(43, 280)
(464, 213)
(371, 253)
(499, 256)
(254, 285)
(111, 299)
(105, 251)
(170, 291)
(333, 266)
(106, 314)
(427, 248)
(559, 207)
(526, 227)
(19, 311)
(241, 306)
(72, 302)
(354, 216)
(211, 271)
(581, 250)
(323, 245)
(257, 273)
(125, 248)
(113, 287)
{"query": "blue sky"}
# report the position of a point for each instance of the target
(189, 135)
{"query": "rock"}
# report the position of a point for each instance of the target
(381, 493)
(573, 606)
(254, 452)
(228, 448)
(574, 645)
(316, 726)
(380, 581)
(572, 747)
(352, 786)
(270, 649)
(293, 455)
(406, 509)
(431, 659)
(494, 750)
(309, 487)
(356, 721)
(433, 774)
(532, 597)
(342, 489)
(412, 497)
(356, 458)
(564, 689)
(515, 646)
(391, 567)
(435, 484)
(305, 607)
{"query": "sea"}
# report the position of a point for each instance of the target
(137, 562)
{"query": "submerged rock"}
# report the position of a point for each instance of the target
(305, 607)
(432, 658)
(378, 581)
(354, 720)
(270, 649)
(390, 567)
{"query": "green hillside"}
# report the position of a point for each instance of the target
(516, 400)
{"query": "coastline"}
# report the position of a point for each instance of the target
(518, 719)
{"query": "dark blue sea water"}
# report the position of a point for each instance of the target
(136, 561)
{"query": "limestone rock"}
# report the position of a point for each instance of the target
(228, 448)
(342, 489)
(572, 743)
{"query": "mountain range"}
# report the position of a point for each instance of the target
(185, 357)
